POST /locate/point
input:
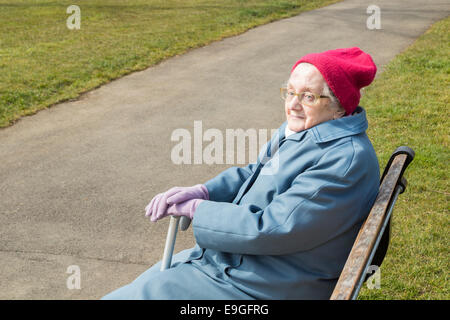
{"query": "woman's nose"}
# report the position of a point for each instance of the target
(295, 103)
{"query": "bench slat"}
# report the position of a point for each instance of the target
(365, 241)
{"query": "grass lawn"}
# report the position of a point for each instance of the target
(408, 105)
(42, 62)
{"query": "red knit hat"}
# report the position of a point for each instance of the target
(346, 71)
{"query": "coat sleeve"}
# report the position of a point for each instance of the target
(322, 202)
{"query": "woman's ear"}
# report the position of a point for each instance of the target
(339, 114)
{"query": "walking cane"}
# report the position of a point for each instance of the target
(171, 237)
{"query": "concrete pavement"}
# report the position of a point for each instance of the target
(75, 178)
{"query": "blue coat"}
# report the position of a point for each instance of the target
(278, 229)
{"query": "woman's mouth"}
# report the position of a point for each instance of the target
(297, 115)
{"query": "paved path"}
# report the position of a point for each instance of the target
(74, 179)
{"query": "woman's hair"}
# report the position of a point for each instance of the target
(326, 91)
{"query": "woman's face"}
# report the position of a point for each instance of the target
(301, 117)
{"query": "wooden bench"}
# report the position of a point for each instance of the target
(371, 244)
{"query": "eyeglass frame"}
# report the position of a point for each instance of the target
(316, 96)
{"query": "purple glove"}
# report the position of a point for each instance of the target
(198, 191)
(186, 208)
(157, 207)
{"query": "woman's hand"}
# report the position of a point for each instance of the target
(157, 208)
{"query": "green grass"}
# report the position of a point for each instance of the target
(408, 105)
(42, 62)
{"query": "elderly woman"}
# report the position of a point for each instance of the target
(281, 228)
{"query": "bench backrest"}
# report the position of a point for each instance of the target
(371, 244)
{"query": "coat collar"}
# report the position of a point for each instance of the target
(333, 129)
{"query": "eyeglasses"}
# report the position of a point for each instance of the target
(306, 98)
